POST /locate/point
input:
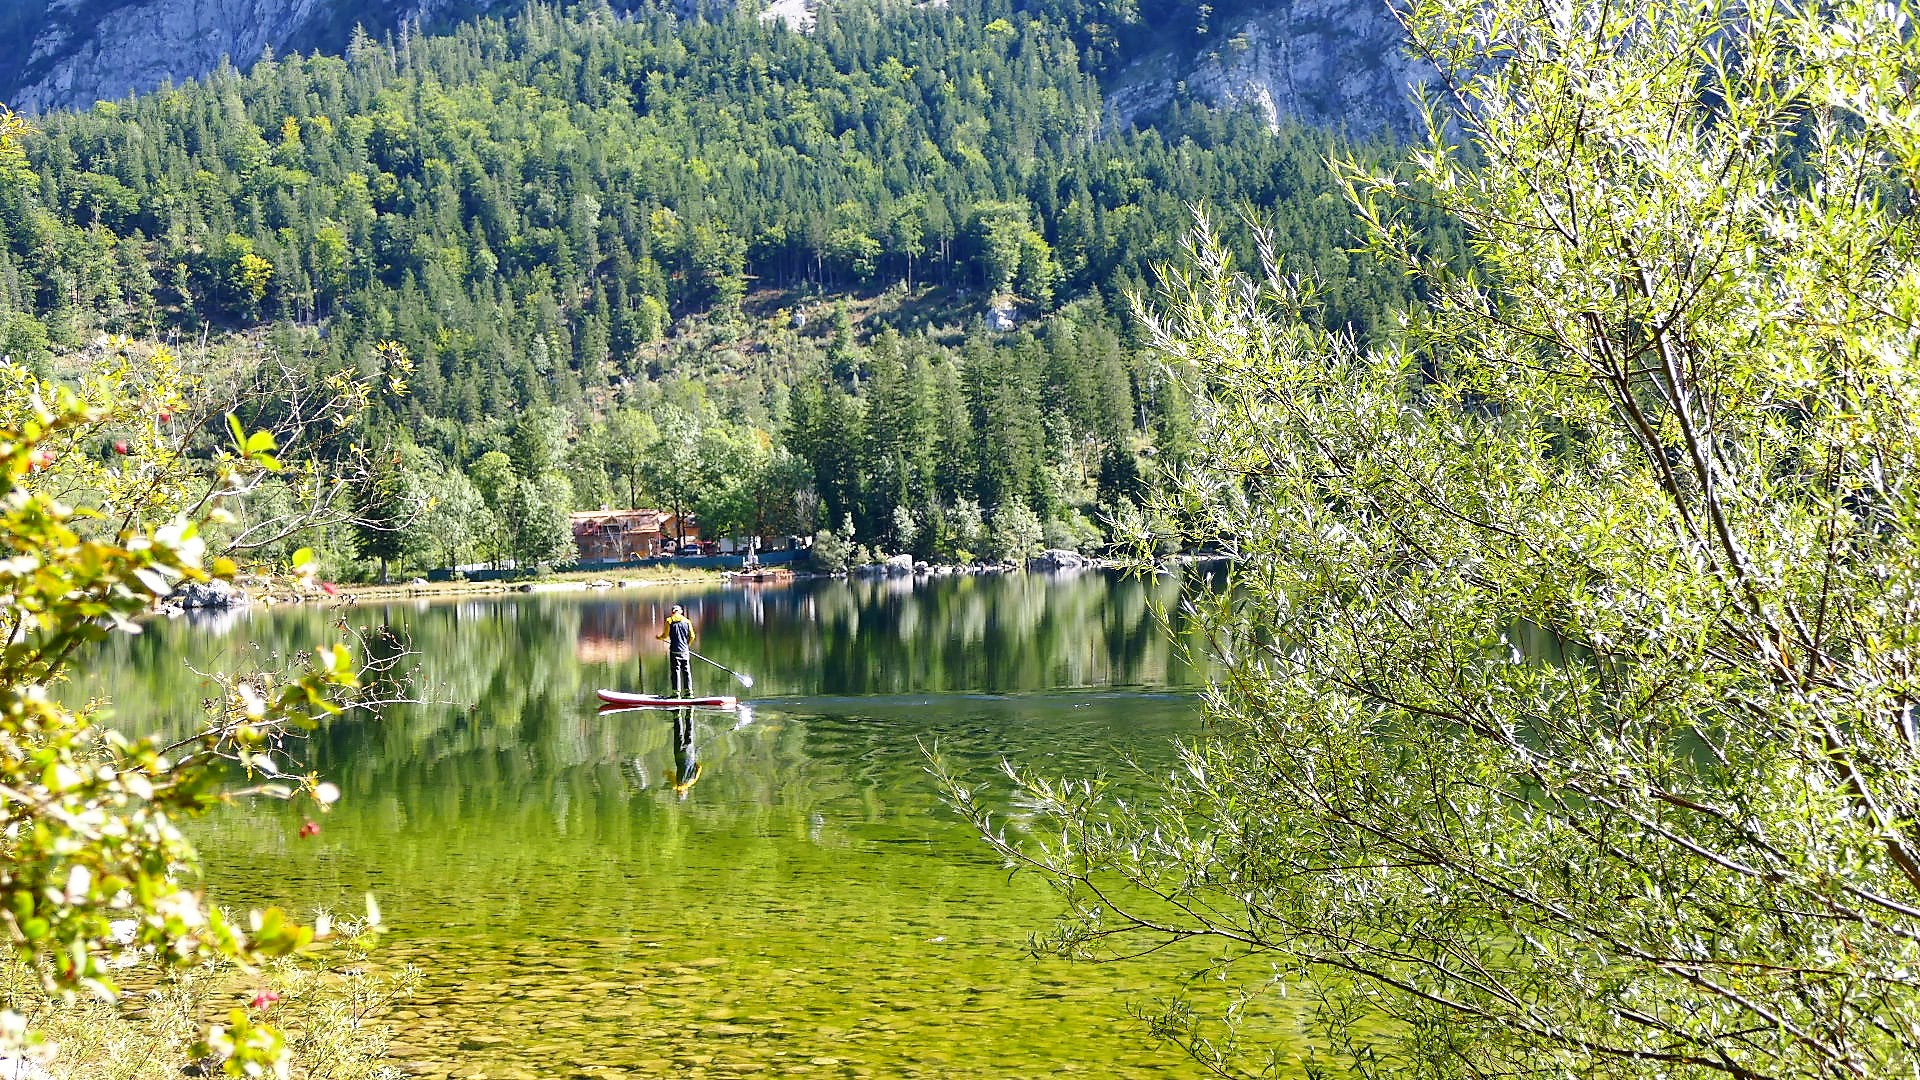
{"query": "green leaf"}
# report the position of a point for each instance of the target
(302, 557)
(239, 433)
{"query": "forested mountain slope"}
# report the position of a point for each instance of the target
(568, 216)
(1333, 63)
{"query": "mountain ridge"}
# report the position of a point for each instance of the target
(68, 54)
(1325, 63)
(872, 278)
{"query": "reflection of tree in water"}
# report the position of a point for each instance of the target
(527, 784)
(388, 667)
(524, 807)
(517, 667)
(971, 634)
(996, 634)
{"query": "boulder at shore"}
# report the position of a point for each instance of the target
(218, 595)
(1057, 559)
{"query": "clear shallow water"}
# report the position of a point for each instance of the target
(804, 905)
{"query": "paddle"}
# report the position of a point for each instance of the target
(745, 680)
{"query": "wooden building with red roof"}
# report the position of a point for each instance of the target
(623, 535)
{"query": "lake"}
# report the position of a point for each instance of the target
(774, 891)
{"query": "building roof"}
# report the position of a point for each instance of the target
(641, 520)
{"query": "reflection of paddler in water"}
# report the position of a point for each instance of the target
(686, 758)
(686, 763)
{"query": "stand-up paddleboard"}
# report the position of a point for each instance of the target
(654, 701)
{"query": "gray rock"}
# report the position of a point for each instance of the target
(799, 15)
(1326, 63)
(1057, 559)
(210, 595)
(81, 54)
(897, 565)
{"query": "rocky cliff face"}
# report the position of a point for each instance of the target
(87, 52)
(1324, 63)
(82, 51)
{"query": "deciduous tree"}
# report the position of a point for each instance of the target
(89, 818)
(1565, 719)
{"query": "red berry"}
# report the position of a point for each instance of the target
(165, 417)
(329, 588)
(264, 998)
(311, 828)
(119, 446)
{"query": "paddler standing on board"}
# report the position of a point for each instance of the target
(678, 635)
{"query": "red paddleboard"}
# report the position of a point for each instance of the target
(652, 701)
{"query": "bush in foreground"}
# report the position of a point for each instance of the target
(1566, 723)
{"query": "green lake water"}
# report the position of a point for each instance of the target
(805, 906)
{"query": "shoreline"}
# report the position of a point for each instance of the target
(265, 594)
(576, 581)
